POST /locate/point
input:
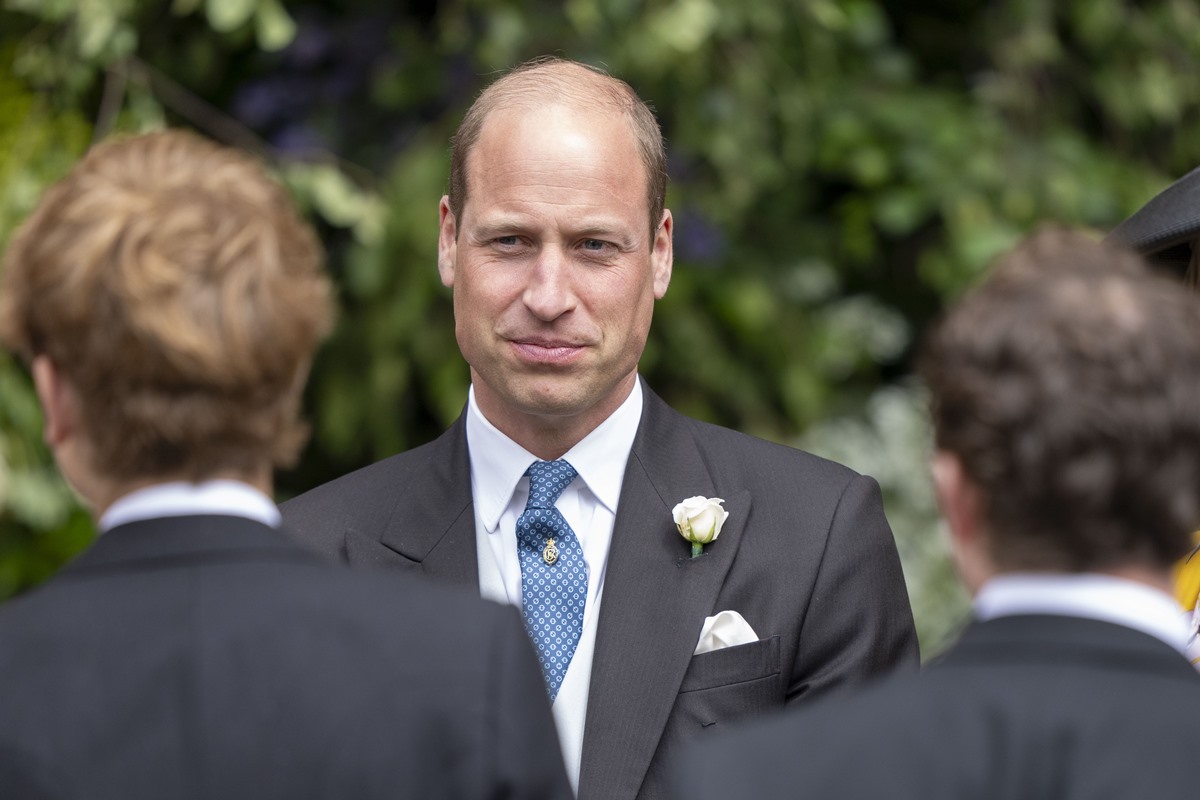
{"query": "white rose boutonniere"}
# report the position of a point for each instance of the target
(699, 520)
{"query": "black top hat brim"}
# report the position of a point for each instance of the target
(1164, 228)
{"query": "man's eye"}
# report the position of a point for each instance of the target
(595, 245)
(506, 241)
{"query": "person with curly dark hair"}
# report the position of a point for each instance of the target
(1067, 467)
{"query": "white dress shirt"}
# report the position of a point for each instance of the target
(182, 499)
(589, 505)
(1103, 597)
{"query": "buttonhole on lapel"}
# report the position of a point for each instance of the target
(683, 562)
(708, 724)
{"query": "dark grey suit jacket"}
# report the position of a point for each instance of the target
(806, 557)
(208, 657)
(1022, 708)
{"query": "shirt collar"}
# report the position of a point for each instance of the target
(1103, 597)
(181, 499)
(498, 463)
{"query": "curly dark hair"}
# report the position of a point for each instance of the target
(1068, 385)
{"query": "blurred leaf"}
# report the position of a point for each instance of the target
(185, 7)
(97, 24)
(229, 15)
(332, 194)
(685, 25)
(39, 499)
(274, 28)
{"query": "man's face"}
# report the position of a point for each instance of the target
(554, 270)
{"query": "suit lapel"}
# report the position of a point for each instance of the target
(654, 603)
(434, 520)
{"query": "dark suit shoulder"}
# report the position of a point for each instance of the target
(408, 600)
(245, 593)
(348, 493)
(364, 500)
(721, 446)
(1051, 725)
(776, 473)
(369, 682)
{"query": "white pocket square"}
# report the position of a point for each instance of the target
(725, 629)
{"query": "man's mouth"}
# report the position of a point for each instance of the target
(546, 351)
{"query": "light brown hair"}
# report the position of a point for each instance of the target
(1068, 384)
(549, 79)
(174, 285)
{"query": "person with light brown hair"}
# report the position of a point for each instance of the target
(1067, 467)
(175, 288)
(169, 300)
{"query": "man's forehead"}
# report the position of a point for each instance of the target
(531, 116)
(555, 131)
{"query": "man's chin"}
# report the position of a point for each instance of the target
(555, 398)
(557, 406)
(557, 403)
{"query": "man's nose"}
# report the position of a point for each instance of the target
(549, 293)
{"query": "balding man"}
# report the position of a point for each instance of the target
(556, 490)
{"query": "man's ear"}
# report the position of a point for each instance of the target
(956, 496)
(962, 505)
(447, 242)
(662, 254)
(57, 400)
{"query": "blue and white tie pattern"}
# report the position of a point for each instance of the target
(552, 594)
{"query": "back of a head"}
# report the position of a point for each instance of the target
(1067, 384)
(174, 285)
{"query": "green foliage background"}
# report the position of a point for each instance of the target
(841, 169)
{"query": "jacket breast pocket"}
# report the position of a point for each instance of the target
(727, 684)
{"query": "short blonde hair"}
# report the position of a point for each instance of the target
(176, 287)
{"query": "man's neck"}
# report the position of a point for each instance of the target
(1155, 577)
(549, 444)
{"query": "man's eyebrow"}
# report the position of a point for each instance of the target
(596, 229)
(497, 226)
(601, 229)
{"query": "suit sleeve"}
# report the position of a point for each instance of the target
(859, 623)
(528, 764)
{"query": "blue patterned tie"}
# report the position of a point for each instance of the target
(553, 575)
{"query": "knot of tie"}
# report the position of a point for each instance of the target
(547, 479)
